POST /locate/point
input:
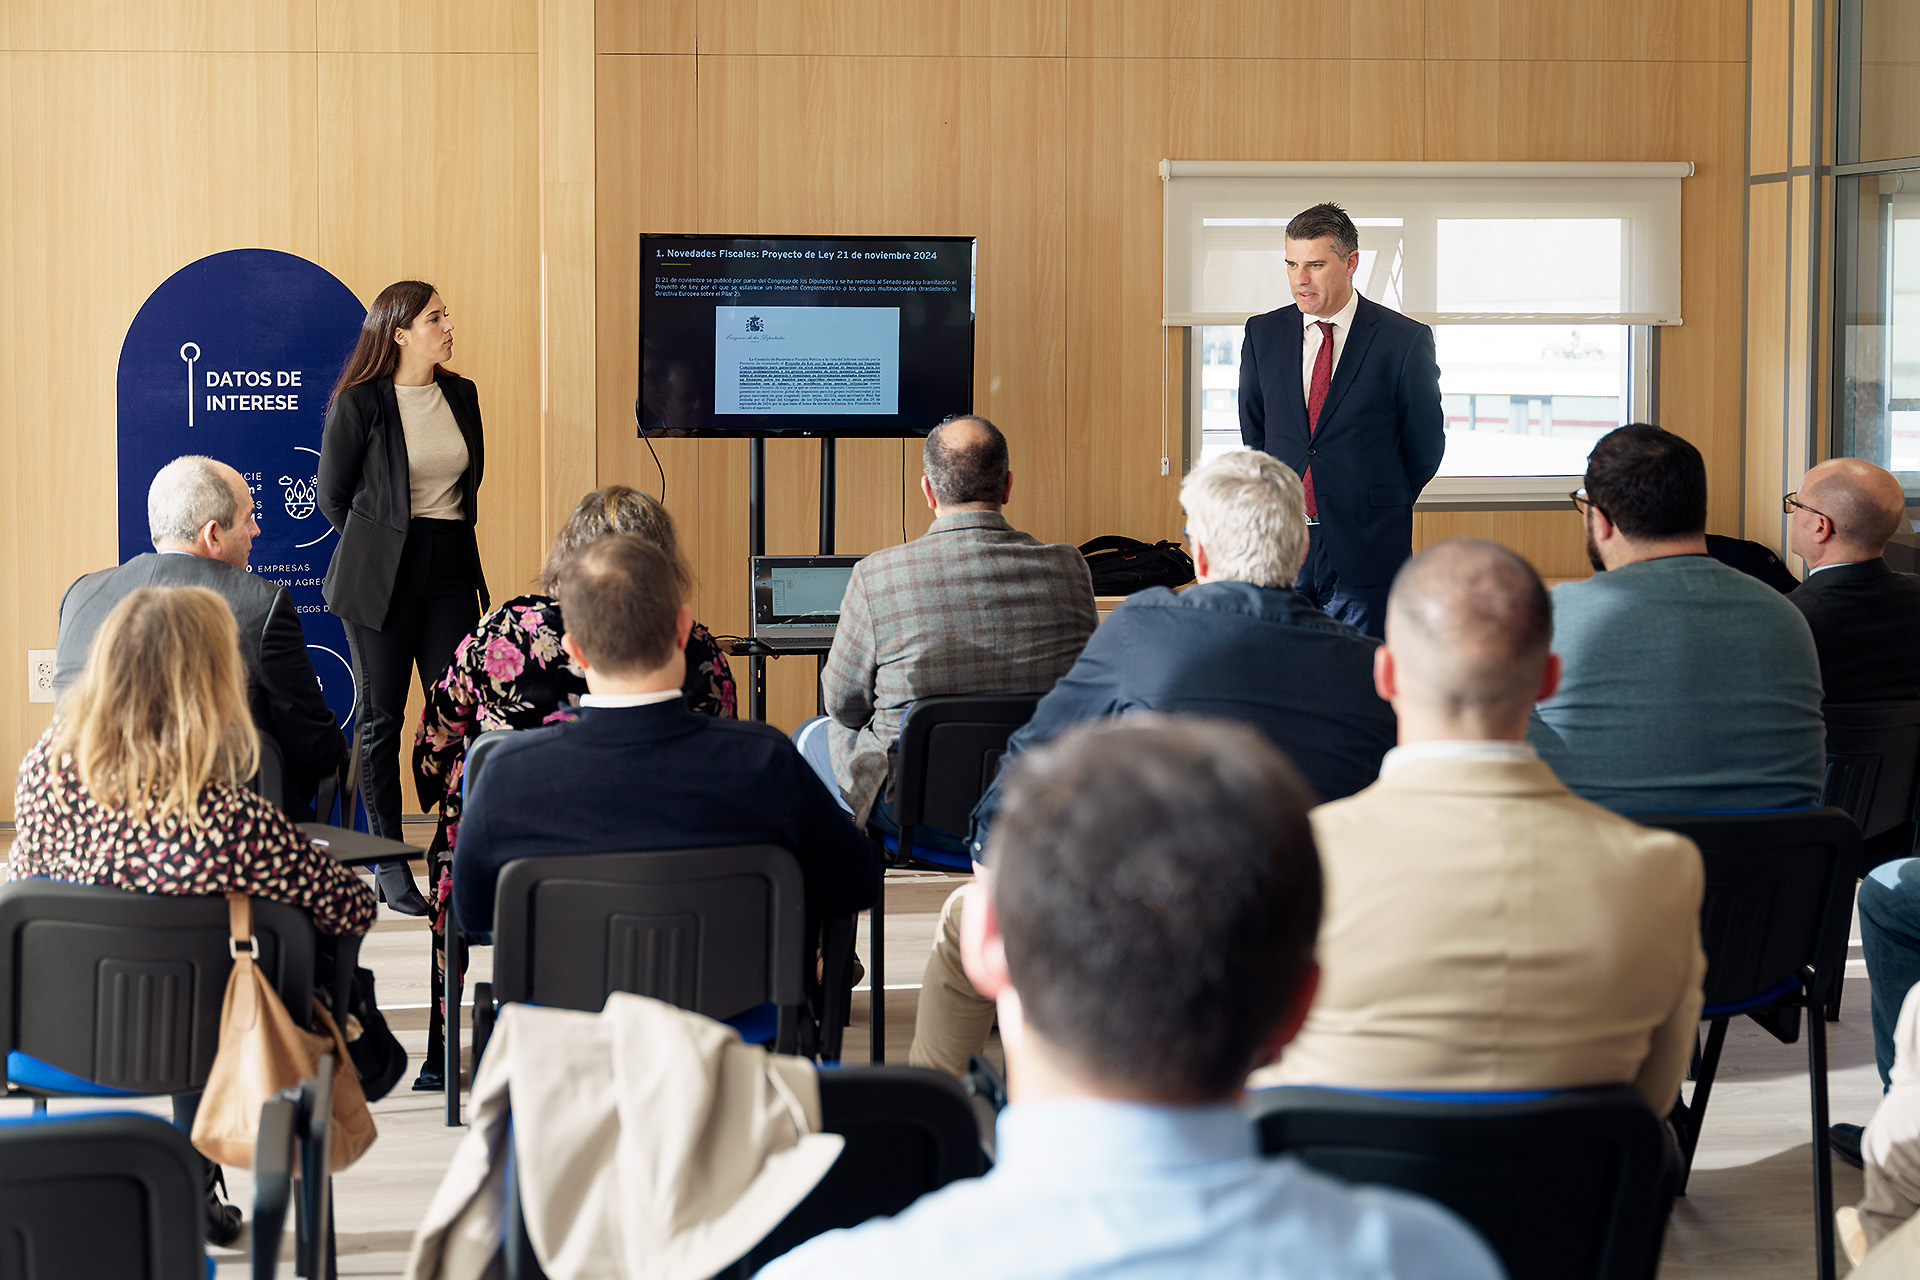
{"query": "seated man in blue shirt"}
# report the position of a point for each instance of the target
(1148, 934)
(1686, 685)
(638, 769)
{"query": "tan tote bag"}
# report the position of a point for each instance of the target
(262, 1051)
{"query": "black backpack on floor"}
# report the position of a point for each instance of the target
(1121, 566)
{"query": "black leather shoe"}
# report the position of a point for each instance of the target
(430, 1080)
(393, 885)
(223, 1219)
(1845, 1141)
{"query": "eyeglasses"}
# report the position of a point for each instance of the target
(1580, 500)
(1789, 502)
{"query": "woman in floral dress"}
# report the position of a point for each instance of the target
(511, 674)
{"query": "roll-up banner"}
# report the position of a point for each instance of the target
(234, 357)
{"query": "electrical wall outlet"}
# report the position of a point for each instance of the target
(39, 675)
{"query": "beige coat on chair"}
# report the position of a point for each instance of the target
(650, 1143)
(1486, 929)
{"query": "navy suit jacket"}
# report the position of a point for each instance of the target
(630, 779)
(1865, 620)
(1261, 655)
(1381, 431)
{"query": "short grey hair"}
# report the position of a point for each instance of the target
(1250, 513)
(187, 493)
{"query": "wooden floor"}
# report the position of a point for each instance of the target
(1747, 1214)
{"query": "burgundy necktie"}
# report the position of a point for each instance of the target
(1316, 397)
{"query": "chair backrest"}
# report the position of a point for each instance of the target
(101, 1195)
(476, 756)
(717, 931)
(909, 1131)
(1873, 763)
(1778, 895)
(270, 783)
(124, 989)
(950, 750)
(1573, 1185)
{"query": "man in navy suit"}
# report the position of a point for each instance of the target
(641, 770)
(1347, 393)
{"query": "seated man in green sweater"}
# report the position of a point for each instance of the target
(1688, 685)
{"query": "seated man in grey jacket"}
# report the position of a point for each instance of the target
(1240, 644)
(1687, 685)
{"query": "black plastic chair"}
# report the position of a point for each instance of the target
(1566, 1185)
(104, 991)
(1873, 772)
(101, 1195)
(1774, 923)
(949, 753)
(909, 1132)
(455, 951)
(717, 931)
(295, 1147)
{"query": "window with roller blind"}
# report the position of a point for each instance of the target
(1545, 285)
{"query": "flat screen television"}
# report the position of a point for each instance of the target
(849, 336)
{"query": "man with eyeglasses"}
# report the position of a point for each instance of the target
(1865, 617)
(1688, 685)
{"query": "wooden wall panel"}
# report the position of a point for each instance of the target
(644, 26)
(453, 200)
(116, 170)
(1554, 542)
(569, 352)
(884, 28)
(1579, 30)
(1280, 29)
(172, 26)
(1767, 265)
(429, 26)
(1771, 71)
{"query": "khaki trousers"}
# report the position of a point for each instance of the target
(954, 1020)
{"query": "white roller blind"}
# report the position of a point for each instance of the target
(1446, 243)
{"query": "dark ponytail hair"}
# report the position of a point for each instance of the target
(376, 354)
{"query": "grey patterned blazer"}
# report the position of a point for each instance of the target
(971, 606)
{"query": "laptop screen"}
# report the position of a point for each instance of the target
(797, 598)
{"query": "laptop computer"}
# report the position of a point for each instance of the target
(796, 600)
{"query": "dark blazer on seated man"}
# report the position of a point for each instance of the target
(1231, 648)
(1865, 617)
(282, 690)
(624, 779)
(1866, 625)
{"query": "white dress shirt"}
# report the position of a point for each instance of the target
(629, 699)
(1342, 321)
(1458, 749)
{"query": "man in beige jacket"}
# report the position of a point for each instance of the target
(1486, 929)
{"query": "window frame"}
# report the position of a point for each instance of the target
(1459, 493)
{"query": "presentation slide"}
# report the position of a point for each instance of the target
(805, 335)
(807, 593)
(806, 360)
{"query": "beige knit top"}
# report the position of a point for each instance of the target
(436, 452)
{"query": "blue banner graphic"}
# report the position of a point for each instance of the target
(234, 357)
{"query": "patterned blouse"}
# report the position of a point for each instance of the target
(245, 844)
(512, 674)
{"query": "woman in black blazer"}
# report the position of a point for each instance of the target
(400, 463)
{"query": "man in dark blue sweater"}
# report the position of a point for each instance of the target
(640, 771)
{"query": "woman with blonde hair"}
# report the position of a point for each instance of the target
(140, 783)
(511, 674)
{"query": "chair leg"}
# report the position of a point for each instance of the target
(455, 961)
(1702, 1090)
(39, 1105)
(877, 974)
(1822, 1154)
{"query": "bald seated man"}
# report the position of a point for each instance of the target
(200, 517)
(973, 605)
(1865, 617)
(1485, 928)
